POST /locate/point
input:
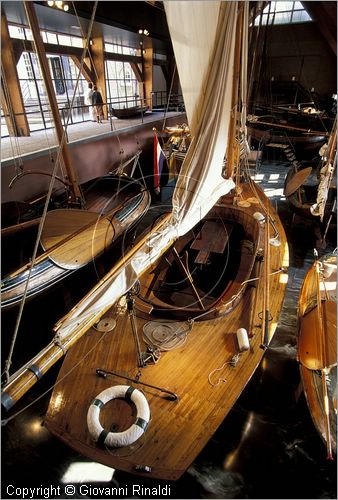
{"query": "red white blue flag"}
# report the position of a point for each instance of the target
(159, 158)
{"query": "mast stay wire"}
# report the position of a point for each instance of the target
(8, 361)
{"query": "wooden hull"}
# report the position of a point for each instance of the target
(301, 142)
(115, 202)
(179, 429)
(128, 112)
(309, 348)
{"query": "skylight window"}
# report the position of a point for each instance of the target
(283, 13)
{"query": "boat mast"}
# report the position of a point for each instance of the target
(232, 156)
(75, 193)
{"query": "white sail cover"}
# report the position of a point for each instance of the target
(203, 36)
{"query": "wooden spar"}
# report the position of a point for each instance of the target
(20, 226)
(266, 290)
(75, 192)
(333, 143)
(329, 220)
(21, 381)
(288, 127)
(230, 155)
(324, 363)
(186, 273)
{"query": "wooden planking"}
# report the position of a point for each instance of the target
(178, 430)
(309, 347)
(312, 385)
(71, 230)
(318, 355)
(213, 237)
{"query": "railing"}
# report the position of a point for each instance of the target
(40, 118)
(160, 101)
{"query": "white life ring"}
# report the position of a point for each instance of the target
(130, 435)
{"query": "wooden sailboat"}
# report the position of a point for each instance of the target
(283, 125)
(317, 347)
(143, 393)
(302, 139)
(111, 203)
(311, 190)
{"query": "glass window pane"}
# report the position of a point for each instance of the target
(283, 6)
(300, 16)
(29, 35)
(51, 38)
(108, 47)
(36, 66)
(76, 41)
(16, 32)
(282, 18)
(65, 40)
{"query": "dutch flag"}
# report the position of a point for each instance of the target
(159, 158)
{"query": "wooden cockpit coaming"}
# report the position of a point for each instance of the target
(220, 281)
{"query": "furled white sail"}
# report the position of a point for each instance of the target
(206, 79)
(193, 36)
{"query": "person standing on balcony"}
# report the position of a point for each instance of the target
(89, 101)
(98, 104)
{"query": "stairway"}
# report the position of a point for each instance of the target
(289, 153)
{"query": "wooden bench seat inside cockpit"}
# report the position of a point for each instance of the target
(213, 237)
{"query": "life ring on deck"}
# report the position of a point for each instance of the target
(130, 435)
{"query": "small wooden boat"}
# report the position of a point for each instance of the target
(68, 239)
(303, 141)
(114, 204)
(129, 112)
(305, 131)
(149, 404)
(317, 347)
(197, 368)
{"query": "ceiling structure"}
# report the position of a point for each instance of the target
(120, 21)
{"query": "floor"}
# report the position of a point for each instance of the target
(267, 447)
(45, 139)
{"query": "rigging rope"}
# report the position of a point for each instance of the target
(169, 97)
(17, 155)
(8, 361)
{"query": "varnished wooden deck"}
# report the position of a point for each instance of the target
(178, 430)
(309, 349)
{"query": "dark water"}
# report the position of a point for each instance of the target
(267, 447)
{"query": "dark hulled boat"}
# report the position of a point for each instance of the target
(129, 112)
(71, 238)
